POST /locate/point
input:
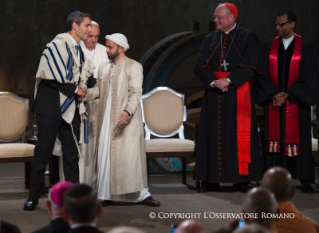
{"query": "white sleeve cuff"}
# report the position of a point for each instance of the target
(76, 90)
(212, 84)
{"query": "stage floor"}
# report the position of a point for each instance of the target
(166, 188)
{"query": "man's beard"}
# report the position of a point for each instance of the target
(114, 55)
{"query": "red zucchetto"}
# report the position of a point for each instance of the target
(232, 8)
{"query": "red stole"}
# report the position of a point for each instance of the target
(243, 124)
(292, 112)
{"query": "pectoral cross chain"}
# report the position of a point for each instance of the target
(225, 64)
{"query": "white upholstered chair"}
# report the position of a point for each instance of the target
(14, 118)
(164, 115)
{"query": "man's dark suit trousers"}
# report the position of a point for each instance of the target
(48, 130)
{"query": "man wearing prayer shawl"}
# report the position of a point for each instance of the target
(61, 81)
(287, 88)
(97, 54)
(120, 151)
(228, 147)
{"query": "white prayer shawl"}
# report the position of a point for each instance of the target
(59, 61)
(97, 55)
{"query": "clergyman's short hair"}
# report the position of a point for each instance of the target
(291, 16)
(81, 204)
(76, 17)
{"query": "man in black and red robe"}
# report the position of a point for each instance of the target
(228, 148)
(287, 88)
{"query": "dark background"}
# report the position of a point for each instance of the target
(28, 25)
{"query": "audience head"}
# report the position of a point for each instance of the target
(190, 226)
(278, 180)
(123, 229)
(81, 205)
(54, 202)
(260, 201)
(252, 228)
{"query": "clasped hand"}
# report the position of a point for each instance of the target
(279, 99)
(221, 84)
(81, 93)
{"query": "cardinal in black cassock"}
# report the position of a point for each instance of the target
(228, 147)
(287, 88)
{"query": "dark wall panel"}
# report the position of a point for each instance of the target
(27, 25)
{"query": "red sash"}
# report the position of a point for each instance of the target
(243, 124)
(292, 112)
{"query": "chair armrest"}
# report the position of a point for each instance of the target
(31, 127)
(33, 139)
(195, 127)
(186, 123)
(314, 122)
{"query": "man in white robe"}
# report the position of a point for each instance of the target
(97, 54)
(120, 150)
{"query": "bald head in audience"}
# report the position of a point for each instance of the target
(279, 181)
(252, 228)
(190, 226)
(123, 229)
(260, 201)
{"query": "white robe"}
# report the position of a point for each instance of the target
(97, 56)
(103, 160)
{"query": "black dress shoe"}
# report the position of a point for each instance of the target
(30, 204)
(241, 187)
(149, 201)
(106, 203)
(307, 188)
(208, 187)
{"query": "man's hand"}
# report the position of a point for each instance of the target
(221, 83)
(225, 89)
(81, 92)
(280, 99)
(123, 118)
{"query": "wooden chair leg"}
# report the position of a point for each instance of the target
(184, 170)
(27, 174)
(148, 170)
(313, 167)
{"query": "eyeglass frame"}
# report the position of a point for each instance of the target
(220, 17)
(281, 24)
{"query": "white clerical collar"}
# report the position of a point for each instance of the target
(230, 29)
(287, 42)
(74, 42)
